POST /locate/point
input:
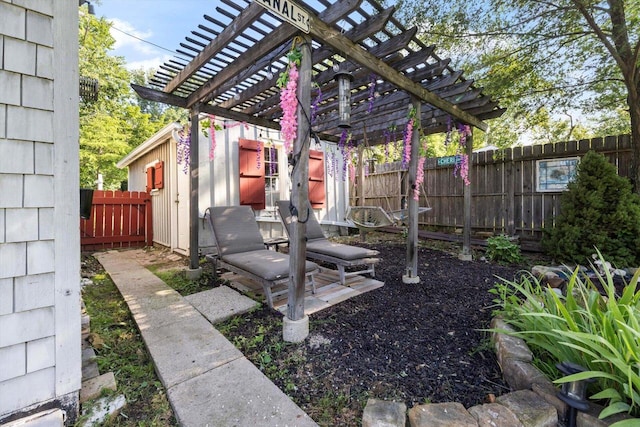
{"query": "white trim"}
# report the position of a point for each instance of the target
(68, 369)
(151, 143)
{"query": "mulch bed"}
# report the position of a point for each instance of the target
(413, 343)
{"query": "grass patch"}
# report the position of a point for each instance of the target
(177, 279)
(124, 354)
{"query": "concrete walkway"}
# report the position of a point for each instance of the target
(208, 380)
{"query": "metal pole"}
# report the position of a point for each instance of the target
(466, 232)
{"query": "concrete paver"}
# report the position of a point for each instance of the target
(236, 394)
(221, 303)
(208, 380)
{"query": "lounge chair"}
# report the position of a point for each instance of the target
(319, 248)
(241, 250)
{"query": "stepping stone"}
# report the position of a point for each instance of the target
(220, 303)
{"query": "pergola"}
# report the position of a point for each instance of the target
(229, 68)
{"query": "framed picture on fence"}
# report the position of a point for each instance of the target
(555, 174)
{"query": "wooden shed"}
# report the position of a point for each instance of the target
(239, 164)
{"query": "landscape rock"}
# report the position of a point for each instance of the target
(530, 409)
(510, 347)
(451, 414)
(382, 413)
(92, 388)
(494, 415)
(549, 393)
(521, 375)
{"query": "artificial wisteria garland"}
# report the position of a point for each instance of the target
(288, 83)
(315, 104)
(183, 149)
(420, 171)
(462, 167)
(372, 92)
(212, 134)
(408, 134)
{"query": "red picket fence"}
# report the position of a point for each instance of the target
(118, 219)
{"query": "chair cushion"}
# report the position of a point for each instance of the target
(235, 229)
(269, 265)
(338, 250)
(314, 230)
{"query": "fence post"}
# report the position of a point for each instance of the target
(510, 193)
(148, 220)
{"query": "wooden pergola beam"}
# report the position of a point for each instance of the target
(179, 101)
(333, 37)
(264, 46)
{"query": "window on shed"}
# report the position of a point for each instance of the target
(272, 175)
(252, 180)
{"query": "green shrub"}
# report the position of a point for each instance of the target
(503, 250)
(598, 210)
(598, 332)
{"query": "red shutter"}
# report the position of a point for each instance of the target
(150, 178)
(251, 176)
(317, 195)
(158, 176)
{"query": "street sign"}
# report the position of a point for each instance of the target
(288, 11)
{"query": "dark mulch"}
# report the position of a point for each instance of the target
(413, 343)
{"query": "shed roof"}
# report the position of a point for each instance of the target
(229, 66)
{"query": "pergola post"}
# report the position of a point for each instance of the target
(296, 324)
(466, 255)
(194, 270)
(411, 271)
(360, 196)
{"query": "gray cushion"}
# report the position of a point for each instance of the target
(270, 265)
(338, 250)
(314, 230)
(235, 229)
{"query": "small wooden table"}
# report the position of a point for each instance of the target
(275, 242)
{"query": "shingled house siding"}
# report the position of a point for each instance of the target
(39, 198)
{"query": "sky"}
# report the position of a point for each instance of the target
(147, 32)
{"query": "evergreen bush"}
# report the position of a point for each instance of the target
(599, 210)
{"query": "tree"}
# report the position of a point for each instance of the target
(600, 211)
(565, 55)
(115, 123)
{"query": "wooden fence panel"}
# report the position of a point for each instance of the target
(118, 219)
(505, 199)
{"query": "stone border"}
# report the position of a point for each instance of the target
(531, 403)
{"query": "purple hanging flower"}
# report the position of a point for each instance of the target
(315, 104)
(259, 155)
(372, 91)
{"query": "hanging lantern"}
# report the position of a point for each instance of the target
(344, 79)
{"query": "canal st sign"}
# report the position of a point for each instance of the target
(288, 12)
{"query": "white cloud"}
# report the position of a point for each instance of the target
(127, 36)
(148, 63)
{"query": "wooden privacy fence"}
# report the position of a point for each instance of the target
(118, 219)
(505, 197)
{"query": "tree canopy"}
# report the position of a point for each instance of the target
(116, 122)
(564, 69)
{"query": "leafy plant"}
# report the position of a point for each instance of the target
(599, 332)
(502, 249)
(598, 210)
